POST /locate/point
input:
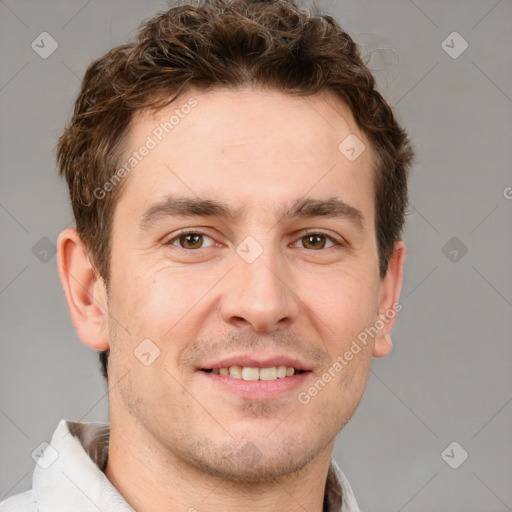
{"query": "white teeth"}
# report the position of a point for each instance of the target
(235, 371)
(251, 373)
(281, 372)
(268, 373)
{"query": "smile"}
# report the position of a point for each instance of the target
(254, 373)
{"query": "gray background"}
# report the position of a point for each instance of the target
(449, 377)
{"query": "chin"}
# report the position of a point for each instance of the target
(255, 461)
(253, 466)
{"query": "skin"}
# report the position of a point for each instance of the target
(177, 440)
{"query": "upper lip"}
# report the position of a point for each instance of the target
(255, 361)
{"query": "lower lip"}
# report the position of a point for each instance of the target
(259, 389)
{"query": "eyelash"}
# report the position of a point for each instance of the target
(310, 232)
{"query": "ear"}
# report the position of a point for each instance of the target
(389, 305)
(85, 290)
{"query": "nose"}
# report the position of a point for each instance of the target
(259, 295)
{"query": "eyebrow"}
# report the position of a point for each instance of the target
(180, 206)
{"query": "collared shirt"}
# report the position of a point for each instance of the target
(69, 476)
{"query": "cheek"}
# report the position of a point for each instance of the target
(144, 302)
(150, 318)
(347, 303)
(161, 305)
(347, 307)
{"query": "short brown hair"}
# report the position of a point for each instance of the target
(224, 44)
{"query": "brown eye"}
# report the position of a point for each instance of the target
(315, 241)
(190, 240)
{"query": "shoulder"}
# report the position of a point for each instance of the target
(23, 502)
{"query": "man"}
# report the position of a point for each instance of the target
(239, 189)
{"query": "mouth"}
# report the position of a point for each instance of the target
(260, 377)
(253, 373)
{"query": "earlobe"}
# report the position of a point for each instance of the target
(84, 289)
(389, 304)
(382, 345)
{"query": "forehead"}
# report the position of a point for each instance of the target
(222, 117)
(249, 147)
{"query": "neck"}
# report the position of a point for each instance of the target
(152, 481)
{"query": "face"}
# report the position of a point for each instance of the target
(244, 240)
